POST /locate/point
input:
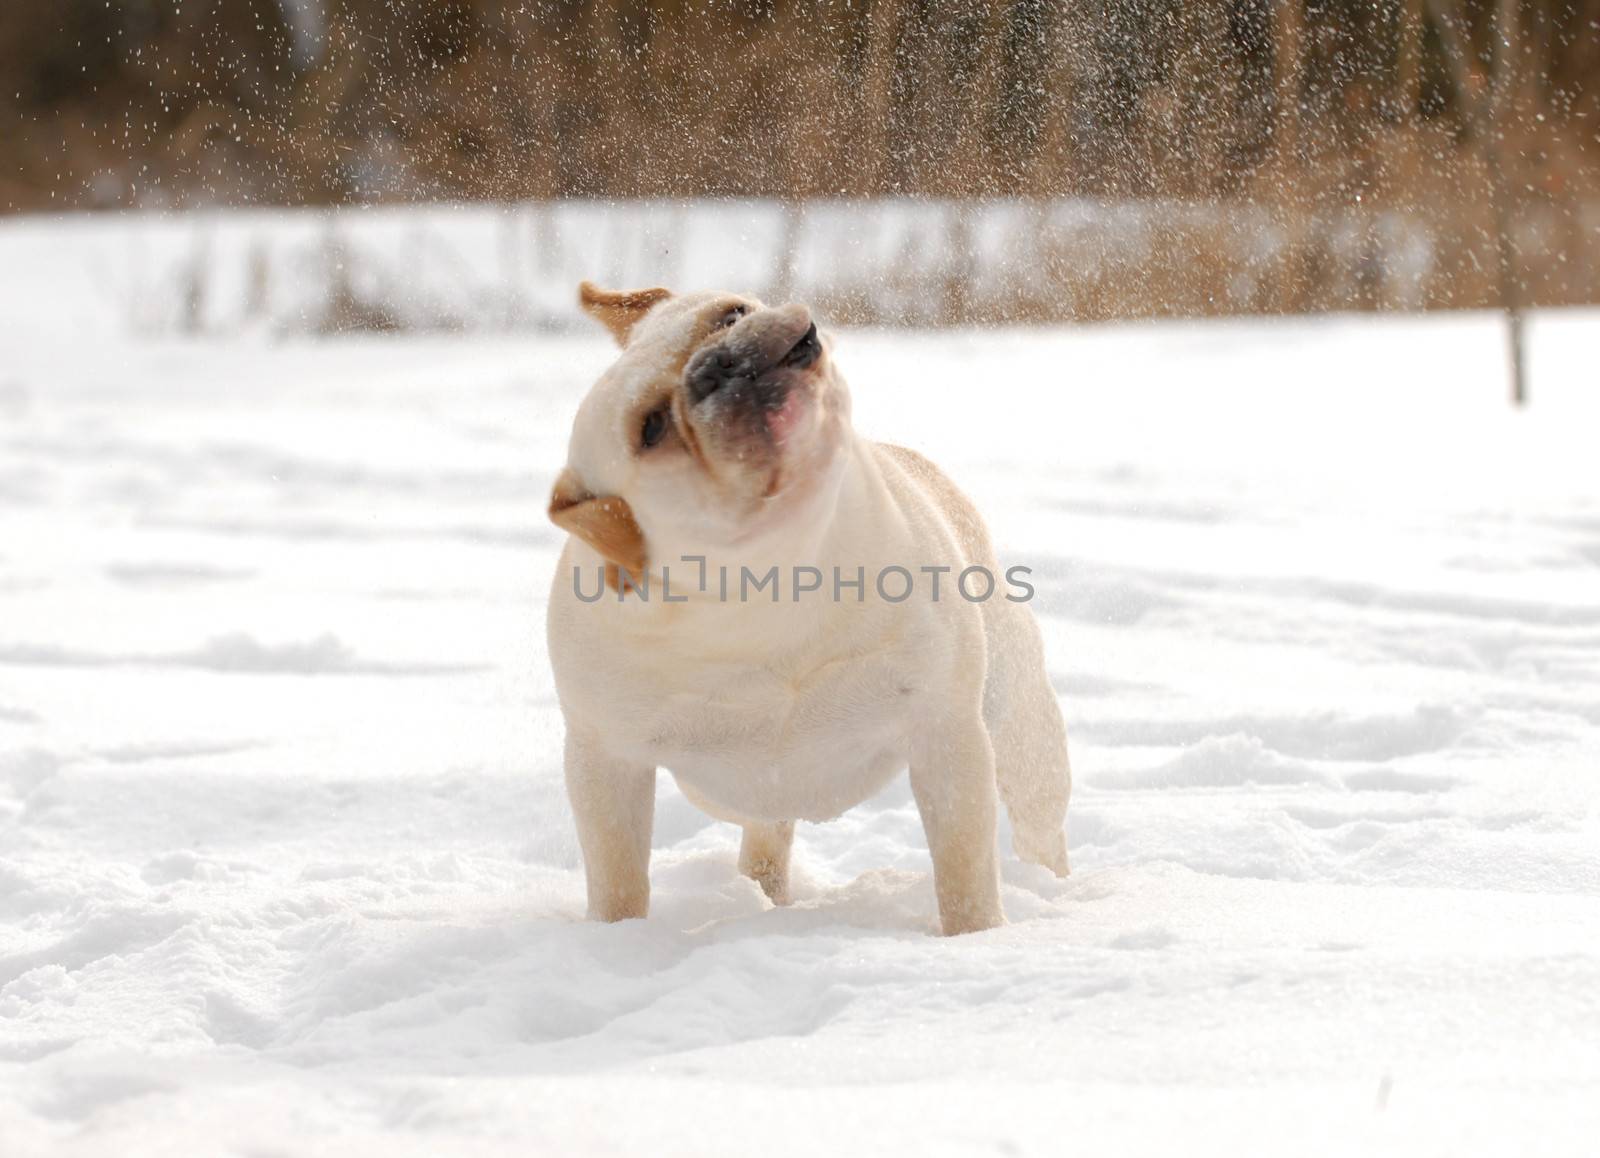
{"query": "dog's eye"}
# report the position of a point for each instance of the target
(655, 427)
(731, 316)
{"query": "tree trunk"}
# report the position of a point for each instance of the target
(1288, 66)
(883, 38)
(1502, 100)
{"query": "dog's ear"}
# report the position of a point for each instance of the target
(605, 522)
(618, 310)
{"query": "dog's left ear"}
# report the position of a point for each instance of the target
(605, 522)
(619, 310)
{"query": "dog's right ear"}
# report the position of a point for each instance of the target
(618, 310)
(605, 522)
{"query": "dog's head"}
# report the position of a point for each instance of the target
(721, 422)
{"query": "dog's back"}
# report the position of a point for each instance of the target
(962, 516)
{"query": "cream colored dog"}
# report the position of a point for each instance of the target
(716, 448)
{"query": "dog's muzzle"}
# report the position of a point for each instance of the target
(743, 367)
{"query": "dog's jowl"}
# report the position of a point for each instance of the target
(782, 614)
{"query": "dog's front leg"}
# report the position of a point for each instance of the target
(613, 803)
(952, 778)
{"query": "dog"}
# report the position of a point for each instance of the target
(719, 445)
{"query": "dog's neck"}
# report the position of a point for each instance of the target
(721, 595)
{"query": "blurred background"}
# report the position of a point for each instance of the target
(925, 162)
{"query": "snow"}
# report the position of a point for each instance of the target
(286, 865)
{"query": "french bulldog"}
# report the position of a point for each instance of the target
(716, 455)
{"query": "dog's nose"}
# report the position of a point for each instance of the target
(784, 337)
(710, 371)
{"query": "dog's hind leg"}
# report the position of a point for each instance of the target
(764, 857)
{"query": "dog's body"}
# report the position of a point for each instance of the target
(765, 710)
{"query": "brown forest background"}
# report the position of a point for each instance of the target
(1473, 122)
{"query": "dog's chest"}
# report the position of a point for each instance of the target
(799, 740)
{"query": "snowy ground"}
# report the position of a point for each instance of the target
(285, 863)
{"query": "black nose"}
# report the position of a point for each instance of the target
(712, 370)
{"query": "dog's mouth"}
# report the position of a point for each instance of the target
(784, 416)
(805, 352)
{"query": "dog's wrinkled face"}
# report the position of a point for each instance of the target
(720, 423)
